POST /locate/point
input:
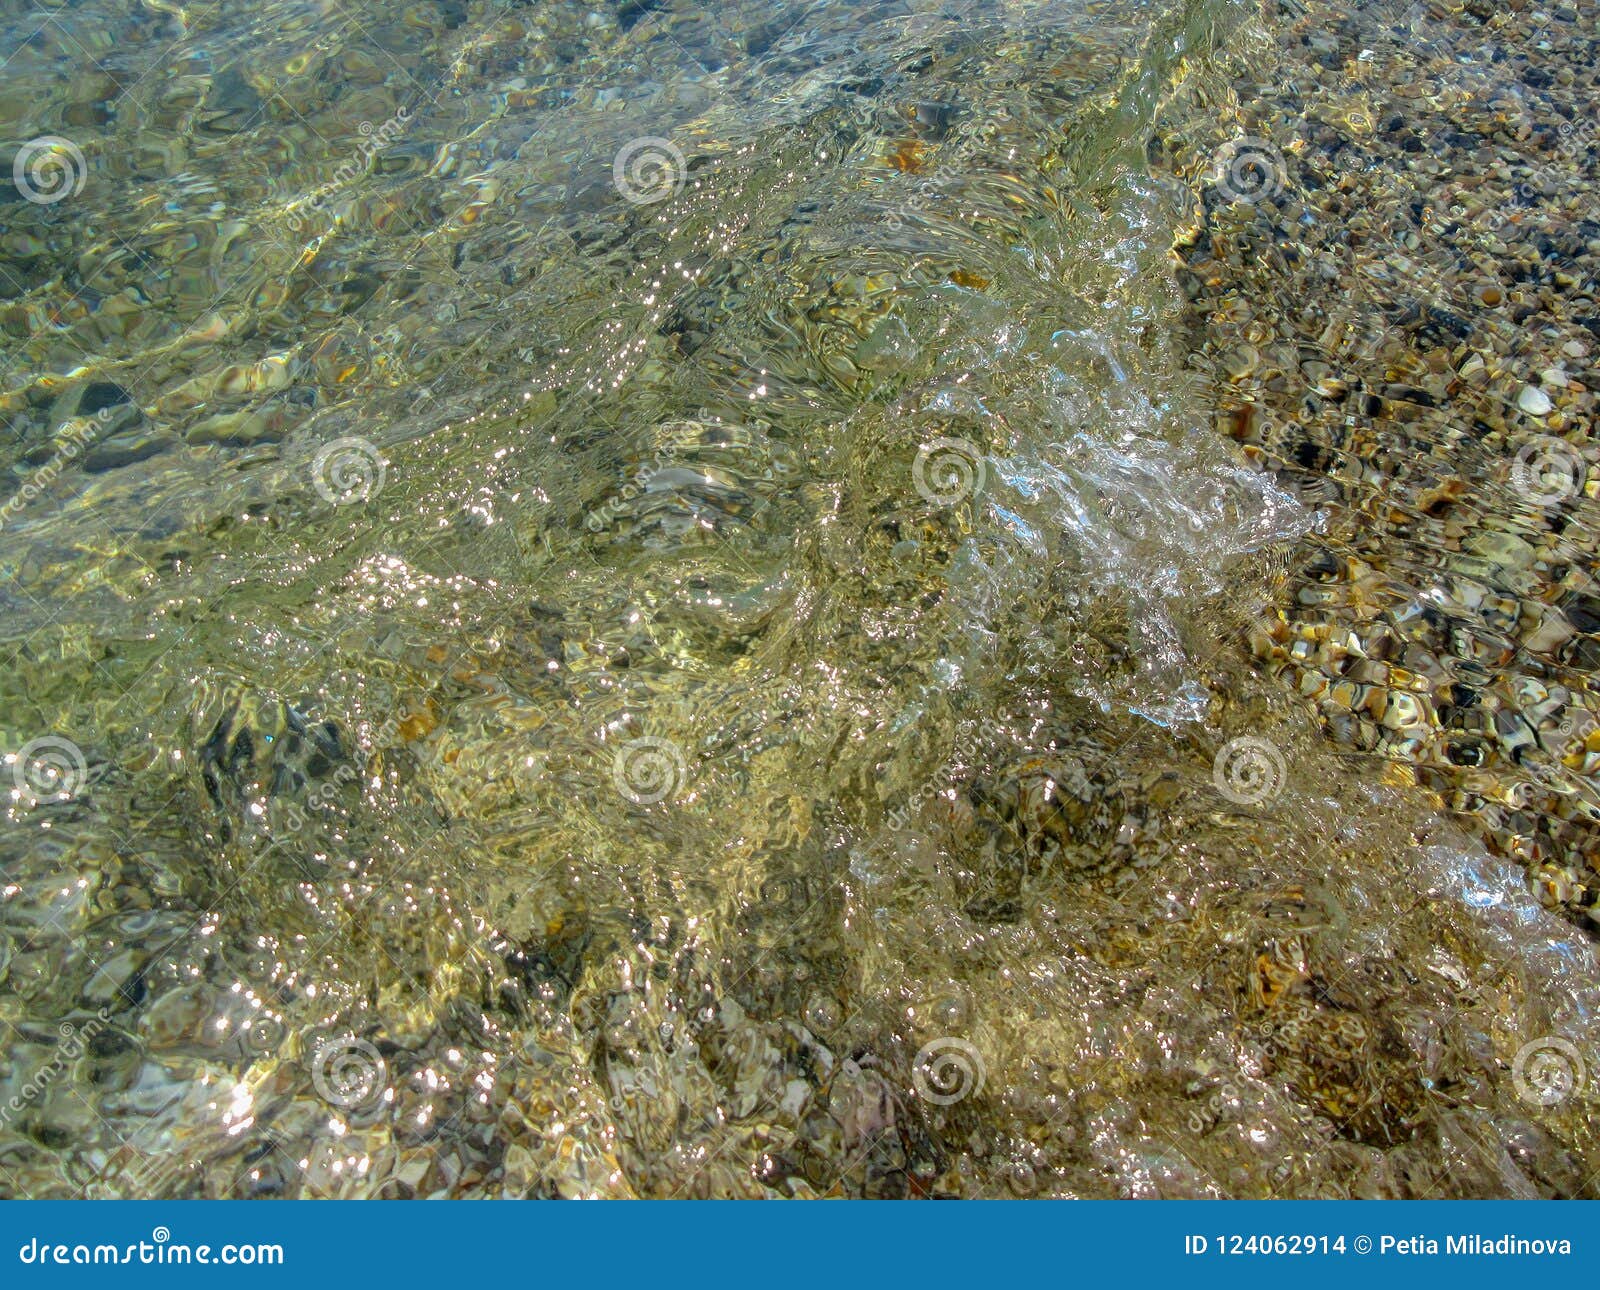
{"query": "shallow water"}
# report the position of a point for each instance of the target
(646, 601)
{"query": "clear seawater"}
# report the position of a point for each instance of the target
(640, 599)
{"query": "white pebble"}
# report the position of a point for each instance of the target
(1534, 401)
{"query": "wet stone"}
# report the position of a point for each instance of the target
(126, 448)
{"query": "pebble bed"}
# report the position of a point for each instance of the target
(1395, 299)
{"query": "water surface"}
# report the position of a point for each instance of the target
(644, 600)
